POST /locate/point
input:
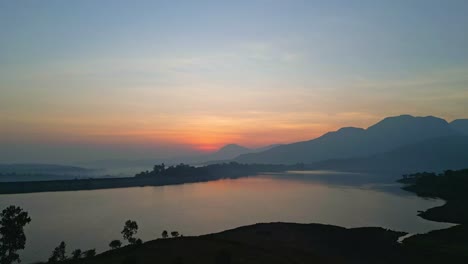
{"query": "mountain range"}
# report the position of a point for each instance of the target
(402, 143)
(434, 155)
(395, 144)
(125, 167)
(231, 151)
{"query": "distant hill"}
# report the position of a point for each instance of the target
(350, 142)
(436, 154)
(24, 168)
(460, 125)
(42, 172)
(125, 167)
(225, 153)
(231, 151)
(265, 148)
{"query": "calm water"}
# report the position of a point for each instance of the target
(91, 219)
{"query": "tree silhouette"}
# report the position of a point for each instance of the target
(159, 169)
(59, 253)
(130, 229)
(165, 234)
(76, 254)
(12, 222)
(174, 234)
(115, 244)
(89, 253)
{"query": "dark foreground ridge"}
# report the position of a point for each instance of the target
(159, 176)
(265, 243)
(285, 243)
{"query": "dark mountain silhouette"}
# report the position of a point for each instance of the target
(265, 148)
(436, 154)
(228, 152)
(350, 142)
(460, 125)
(231, 151)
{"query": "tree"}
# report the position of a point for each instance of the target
(174, 234)
(159, 169)
(12, 222)
(164, 234)
(115, 244)
(138, 242)
(59, 253)
(130, 229)
(76, 254)
(89, 253)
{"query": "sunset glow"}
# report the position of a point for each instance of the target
(173, 83)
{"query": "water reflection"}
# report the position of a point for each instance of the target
(385, 183)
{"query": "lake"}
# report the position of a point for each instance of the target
(91, 219)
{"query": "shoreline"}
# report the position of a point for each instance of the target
(160, 176)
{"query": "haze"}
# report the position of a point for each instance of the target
(87, 80)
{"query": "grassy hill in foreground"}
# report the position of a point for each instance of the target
(266, 243)
(295, 243)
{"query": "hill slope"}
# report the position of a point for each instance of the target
(437, 154)
(388, 134)
(460, 125)
(229, 151)
(266, 243)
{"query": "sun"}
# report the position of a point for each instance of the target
(206, 148)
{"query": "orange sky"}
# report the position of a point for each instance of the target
(165, 79)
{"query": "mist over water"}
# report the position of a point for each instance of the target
(91, 219)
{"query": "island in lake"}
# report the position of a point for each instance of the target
(159, 176)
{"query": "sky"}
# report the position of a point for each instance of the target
(89, 80)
